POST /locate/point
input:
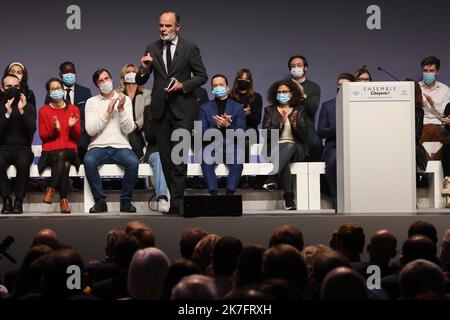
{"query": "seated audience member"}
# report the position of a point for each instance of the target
(436, 96)
(224, 261)
(140, 100)
(287, 234)
(20, 71)
(423, 228)
(362, 75)
(422, 280)
(287, 114)
(203, 251)
(382, 248)
(189, 239)
(224, 114)
(109, 120)
(350, 240)
(146, 274)
(310, 95)
(285, 262)
(344, 283)
(195, 287)
(248, 270)
(416, 247)
(176, 272)
(17, 127)
(46, 237)
(76, 95)
(327, 130)
(59, 129)
(445, 251)
(123, 251)
(310, 252)
(282, 290)
(143, 233)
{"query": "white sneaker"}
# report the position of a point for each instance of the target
(446, 188)
(163, 205)
(153, 205)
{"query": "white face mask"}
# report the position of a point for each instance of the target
(130, 77)
(106, 87)
(297, 72)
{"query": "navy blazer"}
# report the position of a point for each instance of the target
(327, 124)
(210, 109)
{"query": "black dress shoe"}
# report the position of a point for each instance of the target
(17, 207)
(126, 206)
(99, 207)
(174, 211)
(7, 206)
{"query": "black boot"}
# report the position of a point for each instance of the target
(289, 201)
(99, 207)
(17, 207)
(126, 206)
(7, 206)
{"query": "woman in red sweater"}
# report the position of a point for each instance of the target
(59, 129)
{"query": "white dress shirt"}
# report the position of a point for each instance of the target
(173, 47)
(440, 94)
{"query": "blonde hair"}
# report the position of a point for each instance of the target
(122, 74)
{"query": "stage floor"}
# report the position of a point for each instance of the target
(87, 232)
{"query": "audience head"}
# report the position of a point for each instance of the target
(219, 85)
(143, 233)
(281, 289)
(46, 237)
(423, 280)
(445, 251)
(430, 69)
(310, 252)
(55, 89)
(382, 247)
(344, 77)
(285, 262)
(362, 75)
(298, 65)
(103, 81)
(343, 283)
(225, 255)
(189, 239)
(128, 77)
(146, 274)
(19, 70)
(68, 73)
(350, 240)
(284, 92)
(425, 229)
(287, 234)
(177, 271)
(243, 85)
(418, 247)
(123, 249)
(195, 287)
(248, 271)
(111, 238)
(248, 294)
(203, 251)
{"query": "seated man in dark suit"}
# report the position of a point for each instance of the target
(222, 113)
(327, 130)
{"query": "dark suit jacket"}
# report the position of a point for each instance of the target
(186, 61)
(327, 124)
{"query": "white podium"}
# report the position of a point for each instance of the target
(375, 132)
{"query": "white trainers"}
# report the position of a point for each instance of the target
(446, 188)
(163, 206)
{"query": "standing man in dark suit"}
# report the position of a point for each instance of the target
(327, 131)
(172, 58)
(76, 95)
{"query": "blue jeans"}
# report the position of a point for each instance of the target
(123, 157)
(158, 175)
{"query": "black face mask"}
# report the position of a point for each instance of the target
(243, 84)
(12, 93)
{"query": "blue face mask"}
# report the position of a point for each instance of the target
(429, 77)
(69, 79)
(219, 92)
(283, 98)
(57, 94)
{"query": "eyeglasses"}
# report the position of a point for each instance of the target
(284, 91)
(363, 79)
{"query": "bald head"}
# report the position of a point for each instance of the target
(418, 247)
(382, 247)
(287, 234)
(46, 237)
(343, 283)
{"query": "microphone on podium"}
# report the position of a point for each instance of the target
(388, 73)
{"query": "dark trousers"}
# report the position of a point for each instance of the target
(330, 170)
(60, 162)
(288, 153)
(175, 174)
(21, 157)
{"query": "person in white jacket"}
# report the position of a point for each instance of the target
(109, 120)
